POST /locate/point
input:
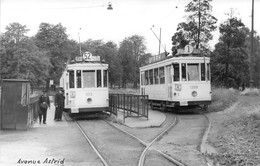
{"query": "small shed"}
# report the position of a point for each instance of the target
(15, 100)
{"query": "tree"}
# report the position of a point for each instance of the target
(230, 59)
(20, 57)
(130, 52)
(54, 40)
(200, 23)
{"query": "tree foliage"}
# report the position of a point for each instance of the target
(230, 58)
(54, 40)
(131, 51)
(20, 57)
(200, 23)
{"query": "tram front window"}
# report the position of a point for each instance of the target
(105, 78)
(88, 78)
(99, 79)
(193, 72)
(202, 66)
(78, 79)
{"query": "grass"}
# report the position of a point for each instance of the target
(222, 99)
(236, 130)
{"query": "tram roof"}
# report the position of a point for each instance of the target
(173, 59)
(87, 65)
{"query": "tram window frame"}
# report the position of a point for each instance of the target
(99, 78)
(78, 79)
(156, 76)
(203, 71)
(146, 76)
(105, 78)
(71, 79)
(86, 82)
(176, 72)
(161, 75)
(193, 78)
(151, 77)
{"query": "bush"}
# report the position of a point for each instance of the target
(222, 98)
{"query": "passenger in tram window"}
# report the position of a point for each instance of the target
(59, 105)
(44, 103)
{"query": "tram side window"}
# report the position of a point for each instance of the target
(71, 79)
(193, 72)
(146, 77)
(99, 83)
(208, 71)
(176, 69)
(151, 76)
(156, 76)
(78, 78)
(183, 72)
(105, 75)
(161, 75)
(88, 78)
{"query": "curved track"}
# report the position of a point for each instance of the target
(147, 145)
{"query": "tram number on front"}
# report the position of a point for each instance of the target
(89, 94)
(194, 87)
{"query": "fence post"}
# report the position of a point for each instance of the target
(124, 108)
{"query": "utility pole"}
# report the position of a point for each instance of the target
(79, 43)
(251, 82)
(199, 28)
(160, 41)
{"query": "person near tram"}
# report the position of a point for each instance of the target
(59, 105)
(44, 103)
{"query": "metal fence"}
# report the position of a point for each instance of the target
(131, 105)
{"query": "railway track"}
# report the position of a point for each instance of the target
(186, 139)
(141, 152)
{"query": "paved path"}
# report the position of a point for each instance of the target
(59, 143)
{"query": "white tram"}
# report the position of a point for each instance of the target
(183, 80)
(86, 84)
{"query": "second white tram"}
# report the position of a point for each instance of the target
(177, 81)
(86, 86)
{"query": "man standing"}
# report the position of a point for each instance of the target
(44, 103)
(59, 104)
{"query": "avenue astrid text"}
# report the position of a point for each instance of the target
(44, 161)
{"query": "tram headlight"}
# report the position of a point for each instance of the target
(194, 93)
(89, 100)
(178, 87)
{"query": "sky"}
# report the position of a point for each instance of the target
(90, 19)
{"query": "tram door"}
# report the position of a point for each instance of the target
(169, 72)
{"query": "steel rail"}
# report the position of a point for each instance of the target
(150, 144)
(142, 157)
(91, 144)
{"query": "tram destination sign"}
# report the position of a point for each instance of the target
(87, 56)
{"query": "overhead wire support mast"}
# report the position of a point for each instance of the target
(160, 43)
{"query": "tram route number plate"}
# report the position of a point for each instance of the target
(183, 103)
